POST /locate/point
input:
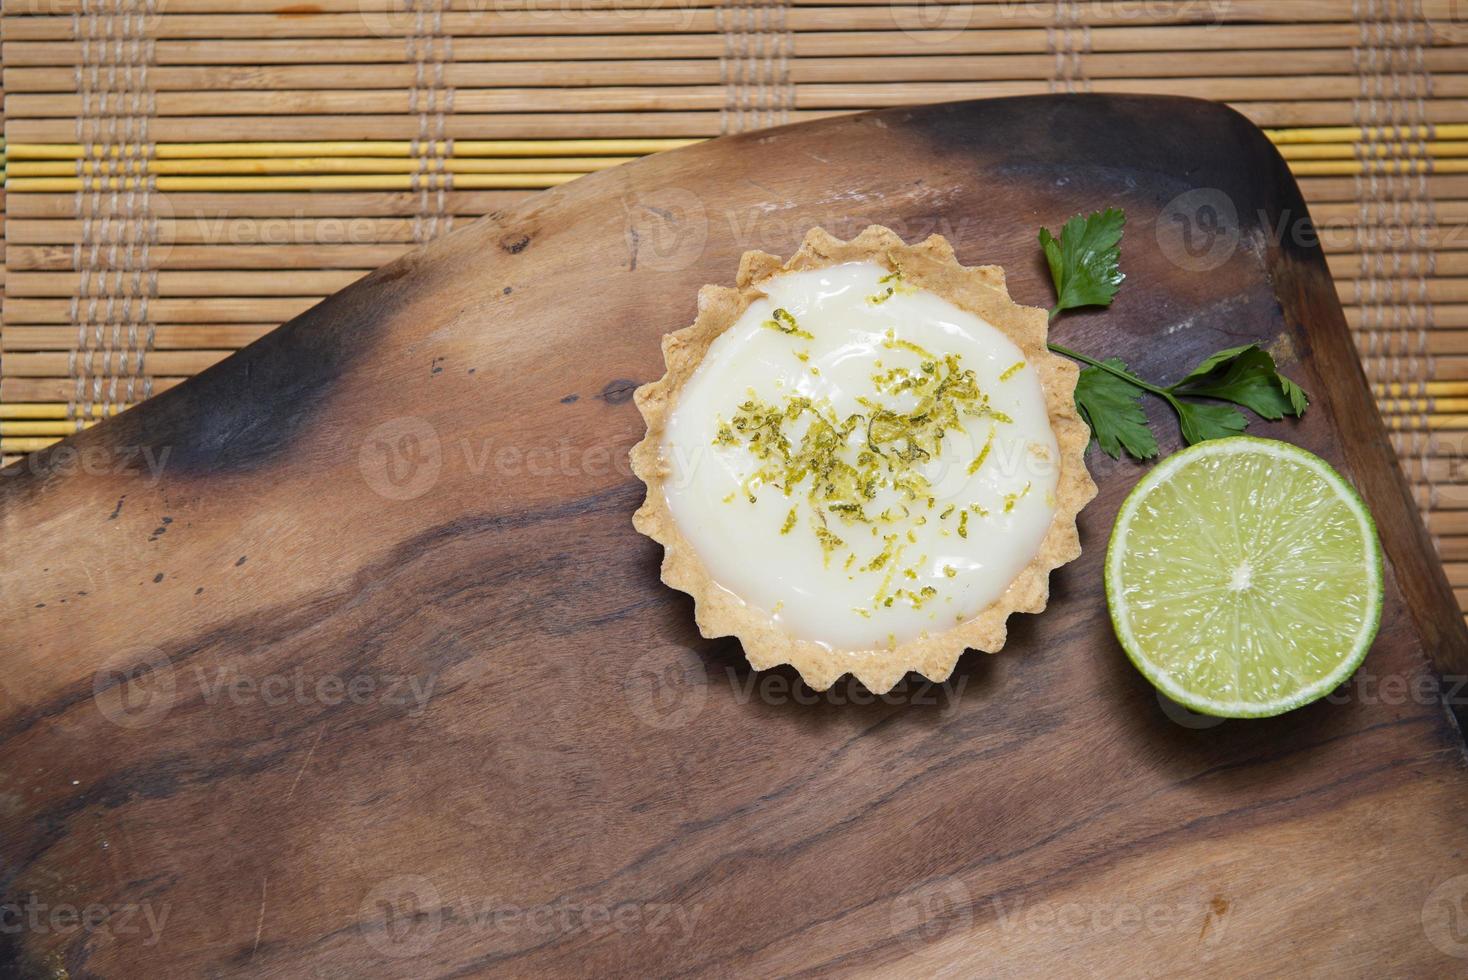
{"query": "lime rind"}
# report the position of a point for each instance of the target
(1371, 566)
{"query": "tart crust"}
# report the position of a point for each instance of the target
(929, 265)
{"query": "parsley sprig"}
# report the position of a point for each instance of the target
(1085, 267)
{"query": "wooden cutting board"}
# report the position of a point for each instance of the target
(343, 659)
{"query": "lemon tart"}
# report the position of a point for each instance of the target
(862, 460)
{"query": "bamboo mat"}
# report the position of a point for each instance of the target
(182, 175)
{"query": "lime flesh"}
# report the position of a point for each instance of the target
(1244, 577)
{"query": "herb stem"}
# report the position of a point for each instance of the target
(1102, 365)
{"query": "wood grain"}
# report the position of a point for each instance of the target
(342, 658)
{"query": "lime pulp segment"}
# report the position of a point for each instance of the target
(1244, 577)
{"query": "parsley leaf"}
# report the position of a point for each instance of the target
(1084, 259)
(1245, 376)
(1205, 420)
(1084, 266)
(1112, 408)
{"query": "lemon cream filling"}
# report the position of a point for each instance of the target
(861, 460)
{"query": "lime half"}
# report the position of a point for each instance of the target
(1244, 577)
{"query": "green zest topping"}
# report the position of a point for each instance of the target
(784, 322)
(983, 453)
(1012, 370)
(1010, 499)
(895, 285)
(842, 466)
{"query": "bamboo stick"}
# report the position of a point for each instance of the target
(1323, 167)
(1443, 263)
(1320, 190)
(1435, 149)
(268, 50)
(59, 389)
(1356, 134)
(25, 445)
(50, 410)
(297, 182)
(361, 257)
(47, 364)
(459, 125)
(600, 123)
(219, 209)
(1391, 314)
(1422, 406)
(317, 165)
(278, 282)
(493, 21)
(686, 70)
(1421, 388)
(180, 233)
(468, 176)
(1429, 422)
(646, 98)
(211, 309)
(1394, 300)
(1318, 10)
(1451, 368)
(168, 336)
(531, 148)
(38, 428)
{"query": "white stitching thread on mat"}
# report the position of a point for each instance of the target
(430, 50)
(755, 65)
(1397, 219)
(113, 257)
(1068, 41)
